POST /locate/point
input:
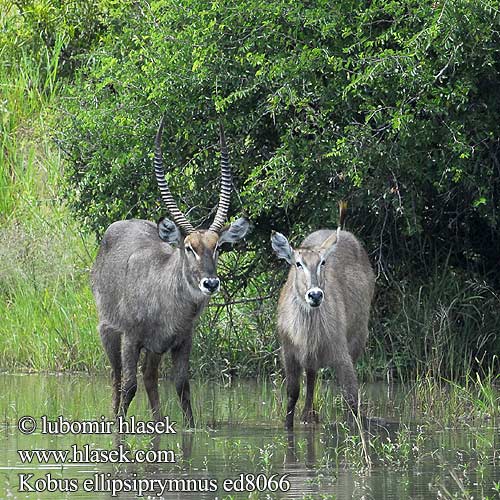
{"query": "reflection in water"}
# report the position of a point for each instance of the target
(293, 456)
(391, 454)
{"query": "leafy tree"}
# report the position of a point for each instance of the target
(391, 105)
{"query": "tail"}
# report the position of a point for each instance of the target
(342, 213)
(342, 216)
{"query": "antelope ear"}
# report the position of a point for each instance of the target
(328, 246)
(168, 231)
(281, 246)
(235, 232)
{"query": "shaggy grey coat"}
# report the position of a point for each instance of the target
(330, 335)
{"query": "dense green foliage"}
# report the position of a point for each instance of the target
(391, 105)
(47, 316)
(39, 26)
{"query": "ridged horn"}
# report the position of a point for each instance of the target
(178, 217)
(225, 186)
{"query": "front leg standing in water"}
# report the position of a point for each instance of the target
(150, 378)
(310, 415)
(180, 374)
(293, 371)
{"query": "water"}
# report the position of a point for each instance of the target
(413, 446)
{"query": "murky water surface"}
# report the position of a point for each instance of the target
(402, 452)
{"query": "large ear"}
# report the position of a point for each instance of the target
(281, 247)
(328, 246)
(168, 231)
(235, 232)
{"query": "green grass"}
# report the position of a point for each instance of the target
(48, 322)
(441, 325)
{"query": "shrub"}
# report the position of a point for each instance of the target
(391, 105)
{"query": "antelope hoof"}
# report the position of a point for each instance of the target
(310, 417)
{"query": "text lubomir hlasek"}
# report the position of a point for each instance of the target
(102, 426)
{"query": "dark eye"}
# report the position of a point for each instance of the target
(298, 264)
(323, 262)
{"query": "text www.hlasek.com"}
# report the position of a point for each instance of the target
(86, 454)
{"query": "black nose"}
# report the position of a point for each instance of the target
(315, 296)
(211, 284)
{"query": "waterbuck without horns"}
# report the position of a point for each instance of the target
(151, 282)
(323, 312)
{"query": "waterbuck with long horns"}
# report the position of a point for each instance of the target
(323, 312)
(151, 282)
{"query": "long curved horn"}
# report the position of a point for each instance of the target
(225, 186)
(177, 215)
